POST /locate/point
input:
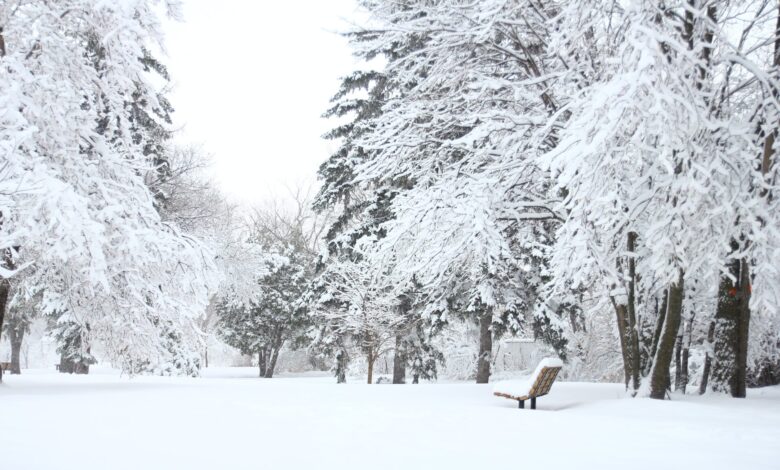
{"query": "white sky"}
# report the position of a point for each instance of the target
(252, 79)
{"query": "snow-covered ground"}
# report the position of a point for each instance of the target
(231, 420)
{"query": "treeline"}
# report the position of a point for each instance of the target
(571, 170)
(597, 175)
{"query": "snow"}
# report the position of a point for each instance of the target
(547, 362)
(231, 420)
(521, 388)
(515, 388)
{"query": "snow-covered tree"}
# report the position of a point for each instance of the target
(273, 313)
(563, 159)
(354, 313)
(74, 80)
(460, 128)
(275, 316)
(658, 161)
(22, 310)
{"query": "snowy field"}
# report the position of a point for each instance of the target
(231, 420)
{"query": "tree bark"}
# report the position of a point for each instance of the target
(620, 315)
(732, 322)
(371, 357)
(342, 362)
(271, 367)
(678, 343)
(399, 362)
(66, 365)
(686, 346)
(631, 312)
(684, 370)
(69, 366)
(16, 336)
(658, 328)
(485, 346)
(659, 376)
(705, 374)
(767, 156)
(627, 322)
(261, 362)
(5, 289)
(739, 386)
(82, 368)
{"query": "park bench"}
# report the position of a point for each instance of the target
(5, 366)
(537, 385)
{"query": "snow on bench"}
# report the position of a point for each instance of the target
(537, 385)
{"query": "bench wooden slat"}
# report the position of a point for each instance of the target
(542, 383)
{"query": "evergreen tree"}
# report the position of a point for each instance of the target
(273, 314)
(73, 344)
(275, 317)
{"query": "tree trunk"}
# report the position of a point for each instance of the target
(620, 315)
(371, 356)
(627, 323)
(739, 386)
(261, 362)
(16, 335)
(732, 322)
(658, 328)
(342, 362)
(678, 344)
(631, 311)
(5, 287)
(82, 368)
(686, 346)
(769, 144)
(399, 362)
(705, 374)
(269, 371)
(659, 376)
(684, 370)
(485, 347)
(69, 366)
(66, 365)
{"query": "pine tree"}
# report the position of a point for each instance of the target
(360, 208)
(464, 224)
(275, 317)
(74, 344)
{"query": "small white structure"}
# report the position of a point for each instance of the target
(519, 354)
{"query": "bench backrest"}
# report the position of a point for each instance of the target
(544, 380)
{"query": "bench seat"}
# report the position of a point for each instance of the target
(536, 385)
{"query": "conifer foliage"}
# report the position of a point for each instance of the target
(540, 163)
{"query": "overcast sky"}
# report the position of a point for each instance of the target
(252, 79)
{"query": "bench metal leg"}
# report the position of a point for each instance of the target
(533, 403)
(521, 404)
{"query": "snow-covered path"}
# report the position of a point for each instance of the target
(52, 421)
